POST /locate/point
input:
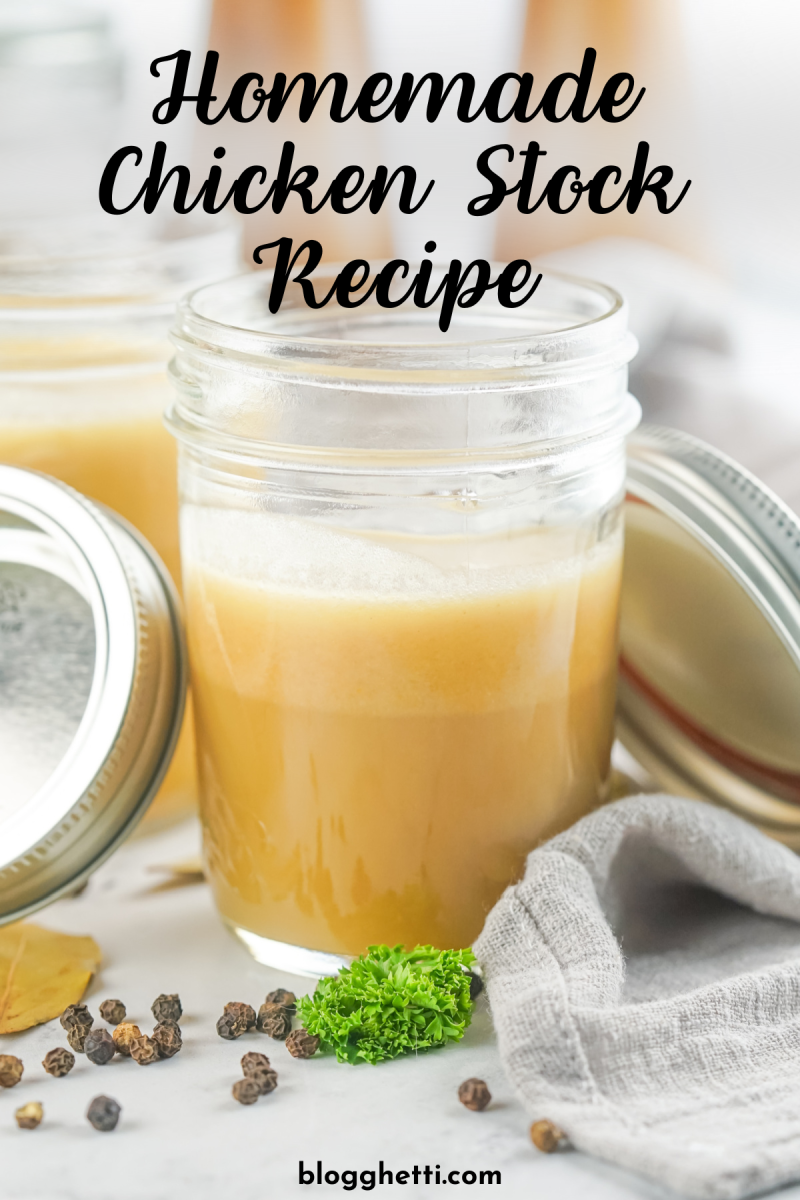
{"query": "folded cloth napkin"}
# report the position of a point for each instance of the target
(644, 979)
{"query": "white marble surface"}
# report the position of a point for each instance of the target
(182, 1136)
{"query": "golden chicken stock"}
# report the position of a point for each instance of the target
(101, 431)
(387, 726)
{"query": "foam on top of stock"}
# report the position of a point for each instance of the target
(288, 554)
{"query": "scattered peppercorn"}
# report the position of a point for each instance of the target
(123, 1035)
(265, 1079)
(58, 1062)
(301, 1044)
(76, 1014)
(103, 1113)
(76, 1036)
(475, 985)
(144, 1050)
(253, 1061)
(30, 1115)
(284, 998)
(275, 1021)
(167, 1037)
(245, 1011)
(167, 1008)
(474, 1094)
(11, 1069)
(547, 1137)
(113, 1011)
(246, 1091)
(168, 1023)
(99, 1047)
(231, 1025)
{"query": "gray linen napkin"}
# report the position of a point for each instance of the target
(644, 980)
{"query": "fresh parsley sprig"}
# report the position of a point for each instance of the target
(389, 1002)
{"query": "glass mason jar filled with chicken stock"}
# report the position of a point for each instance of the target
(84, 315)
(402, 552)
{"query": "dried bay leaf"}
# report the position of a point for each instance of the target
(41, 972)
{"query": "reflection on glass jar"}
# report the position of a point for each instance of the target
(402, 556)
(84, 316)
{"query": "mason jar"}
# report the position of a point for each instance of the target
(84, 315)
(401, 552)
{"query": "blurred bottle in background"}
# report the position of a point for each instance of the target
(644, 38)
(291, 36)
(711, 287)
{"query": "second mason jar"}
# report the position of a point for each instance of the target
(84, 313)
(401, 554)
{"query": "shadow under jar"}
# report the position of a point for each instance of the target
(402, 556)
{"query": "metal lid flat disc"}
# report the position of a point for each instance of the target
(92, 686)
(709, 695)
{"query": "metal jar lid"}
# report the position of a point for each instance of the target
(709, 693)
(92, 686)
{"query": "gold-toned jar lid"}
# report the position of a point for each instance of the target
(709, 694)
(92, 686)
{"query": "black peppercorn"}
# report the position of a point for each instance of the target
(103, 1113)
(302, 1044)
(76, 1036)
(231, 1025)
(167, 1008)
(474, 1094)
(11, 1069)
(275, 1021)
(246, 1091)
(167, 1037)
(253, 1061)
(76, 1014)
(144, 1050)
(245, 1011)
(265, 1079)
(58, 1062)
(113, 1011)
(99, 1047)
(284, 998)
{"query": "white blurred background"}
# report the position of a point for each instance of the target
(713, 291)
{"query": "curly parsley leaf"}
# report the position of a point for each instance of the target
(389, 1002)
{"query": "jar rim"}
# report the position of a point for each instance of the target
(87, 270)
(508, 345)
(252, 387)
